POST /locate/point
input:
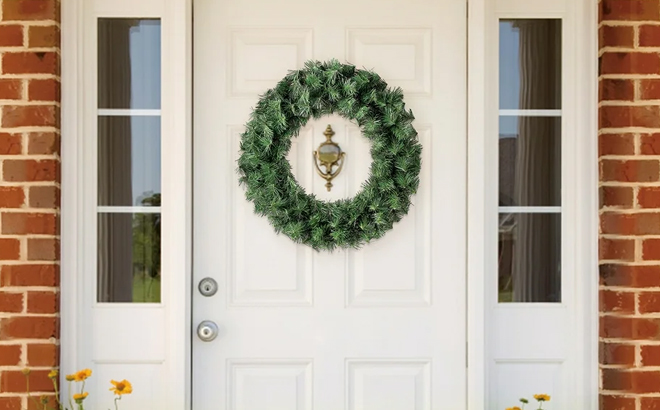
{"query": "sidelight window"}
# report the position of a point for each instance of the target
(129, 160)
(530, 160)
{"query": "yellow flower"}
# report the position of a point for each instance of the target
(542, 397)
(25, 371)
(122, 387)
(513, 408)
(82, 375)
(52, 374)
(79, 397)
(70, 377)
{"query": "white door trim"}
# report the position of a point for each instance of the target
(178, 13)
(176, 16)
(482, 125)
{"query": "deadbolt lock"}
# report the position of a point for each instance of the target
(208, 287)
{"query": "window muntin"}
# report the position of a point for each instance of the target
(529, 248)
(129, 164)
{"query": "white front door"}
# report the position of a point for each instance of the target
(381, 328)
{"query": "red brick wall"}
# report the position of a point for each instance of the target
(629, 150)
(29, 195)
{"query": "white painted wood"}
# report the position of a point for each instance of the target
(147, 344)
(77, 315)
(382, 327)
(586, 326)
(72, 312)
(516, 350)
(480, 98)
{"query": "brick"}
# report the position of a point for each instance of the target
(631, 10)
(650, 144)
(20, 10)
(11, 302)
(651, 249)
(43, 354)
(44, 90)
(43, 143)
(617, 354)
(616, 327)
(646, 382)
(616, 116)
(10, 144)
(649, 89)
(11, 89)
(608, 402)
(650, 403)
(629, 63)
(616, 144)
(616, 36)
(617, 249)
(43, 36)
(10, 403)
(28, 327)
(616, 196)
(30, 170)
(11, 36)
(42, 302)
(10, 355)
(14, 381)
(630, 170)
(616, 90)
(29, 275)
(649, 197)
(11, 197)
(615, 379)
(649, 302)
(44, 197)
(30, 62)
(9, 249)
(20, 223)
(649, 36)
(635, 381)
(43, 249)
(37, 405)
(614, 301)
(650, 355)
(30, 116)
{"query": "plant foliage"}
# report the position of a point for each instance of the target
(323, 88)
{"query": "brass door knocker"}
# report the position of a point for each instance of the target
(329, 155)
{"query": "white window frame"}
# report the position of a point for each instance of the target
(79, 113)
(580, 191)
(177, 161)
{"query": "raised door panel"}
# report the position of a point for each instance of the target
(266, 269)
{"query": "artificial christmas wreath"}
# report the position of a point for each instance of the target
(323, 88)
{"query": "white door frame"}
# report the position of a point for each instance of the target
(482, 142)
(177, 245)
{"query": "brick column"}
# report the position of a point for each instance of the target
(629, 150)
(29, 196)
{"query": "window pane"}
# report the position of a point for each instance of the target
(129, 257)
(530, 64)
(529, 258)
(129, 161)
(129, 63)
(530, 161)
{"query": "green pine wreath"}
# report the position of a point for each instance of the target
(323, 88)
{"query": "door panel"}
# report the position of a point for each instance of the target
(382, 327)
